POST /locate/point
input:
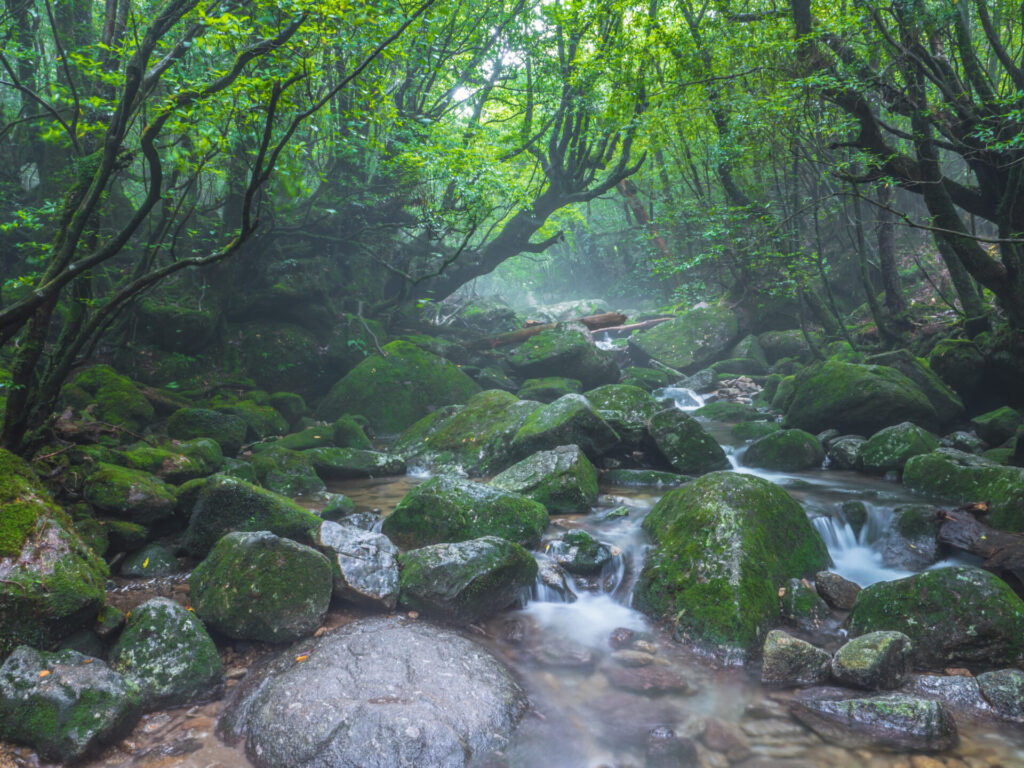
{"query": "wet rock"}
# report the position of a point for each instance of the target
(290, 405)
(110, 398)
(723, 410)
(562, 652)
(786, 450)
(626, 408)
(876, 661)
(998, 426)
(959, 694)
(569, 420)
(628, 657)
(844, 452)
(963, 477)
(650, 680)
(689, 341)
(563, 480)
(643, 477)
(165, 649)
(621, 637)
(838, 592)
(421, 695)
(290, 473)
(1004, 690)
(889, 449)
(305, 439)
(447, 509)
(723, 545)
(395, 390)
(789, 661)
(131, 494)
(892, 722)
(225, 504)
(176, 462)
(801, 605)
(339, 506)
(580, 553)
(968, 442)
(947, 403)
(152, 560)
(753, 430)
(352, 463)
(466, 581)
(852, 397)
(258, 586)
(51, 582)
(912, 539)
(555, 584)
(364, 564)
(685, 444)
(856, 514)
(666, 750)
(548, 389)
(226, 429)
(725, 737)
(958, 615)
(64, 705)
(567, 350)
(476, 437)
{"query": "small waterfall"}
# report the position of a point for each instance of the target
(685, 399)
(855, 556)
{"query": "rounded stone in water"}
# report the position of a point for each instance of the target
(377, 692)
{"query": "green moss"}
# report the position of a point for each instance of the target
(563, 480)
(751, 430)
(115, 399)
(287, 472)
(691, 340)
(890, 448)
(261, 421)
(290, 405)
(548, 389)
(685, 444)
(569, 420)
(723, 410)
(226, 429)
(348, 433)
(139, 496)
(785, 450)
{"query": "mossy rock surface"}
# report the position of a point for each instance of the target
(626, 408)
(579, 552)
(691, 340)
(282, 357)
(168, 652)
(290, 473)
(801, 606)
(947, 403)
(567, 351)
(911, 541)
(351, 341)
(261, 420)
(647, 379)
(466, 581)
(303, 440)
(752, 430)
(184, 330)
(952, 475)
(227, 430)
(723, 410)
(749, 347)
(290, 405)
(447, 509)
(563, 480)
(739, 366)
(723, 545)
(786, 450)
(998, 426)
(548, 389)
(348, 433)
(954, 616)
(175, 462)
(788, 661)
(476, 437)
(856, 398)
(114, 399)
(493, 377)
(889, 449)
(150, 561)
(784, 394)
(64, 705)
(685, 444)
(226, 504)
(129, 493)
(960, 364)
(777, 345)
(877, 661)
(569, 420)
(53, 583)
(350, 463)
(258, 586)
(395, 391)
(652, 478)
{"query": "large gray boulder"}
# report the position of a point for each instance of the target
(685, 444)
(364, 563)
(562, 479)
(566, 350)
(889, 449)
(570, 420)
(690, 341)
(377, 693)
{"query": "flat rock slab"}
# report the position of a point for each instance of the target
(376, 693)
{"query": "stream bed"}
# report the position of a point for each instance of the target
(606, 685)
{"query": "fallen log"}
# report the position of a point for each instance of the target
(638, 326)
(592, 322)
(1002, 551)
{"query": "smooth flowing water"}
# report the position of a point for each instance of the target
(601, 676)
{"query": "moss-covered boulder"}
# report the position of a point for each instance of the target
(262, 420)
(175, 462)
(396, 390)
(226, 429)
(911, 540)
(258, 586)
(282, 357)
(150, 561)
(723, 546)
(476, 437)
(352, 339)
(290, 473)
(563, 480)
(303, 440)
(226, 504)
(801, 606)
(446, 509)
(109, 397)
(51, 582)
(856, 398)
(64, 705)
(752, 430)
(786, 450)
(724, 410)
(493, 377)
(951, 475)
(566, 350)
(739, 366)
(647, 379)
(549, 388)
(685, 444)
(626, 408)
(777, 345)
(466, 581)
(638, 478)
(889, 449)
(128, 493)
(290, 405)
(947, 403)
(579, 552)
(184, 330)
(844, 452)
(348, 463)
(348, 433)
(878, 661)
(487, 316)
(998, 426)
(960, 364)
(1004, 690)
(167, 651)
(691, 340)
(570, 420)
(787, 661)
(954, 616)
